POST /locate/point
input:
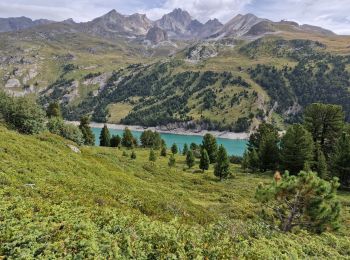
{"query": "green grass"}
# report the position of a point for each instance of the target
(100, 204)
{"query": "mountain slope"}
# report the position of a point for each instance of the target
(56, 203)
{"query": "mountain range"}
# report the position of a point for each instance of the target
(177, 25)
(176, 71)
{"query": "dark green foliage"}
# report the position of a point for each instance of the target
(296, 149)
(265, 143)
(242, 125)
(194, 146)
(317, 77)
(204, 160)
(185, 149)
(151, 139)
(22, 114)
(68, 68)
(88, 135)
(163, 151)
(105, 137)
(325, 122)
(210, 145)
(152, 156)
(128, 139)
(341, 160)
(53, 110)
(190, 160)
(252, 160)
(222, 166)
(320, 165)
(57, 126)
(172, 161)
(174, 149)
(305, 201)
(133, 155)
(115, 141)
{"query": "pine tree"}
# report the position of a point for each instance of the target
(185, 150)
(54, 110)
(265, 143)
(296, 149)
(105, 137)
(152, 156)
(190, 160)
(163, 151)
(341, 160)
(210, 145)
(222, 166)
(128, 139)
(268, 152)
(321, 166)
(133, 155)
(174, 149)
(204, 161)
(88, 135)
(172, 161)
(245, 161)
(304, 201)
(325, 123)
(253, 160)
(115, 141)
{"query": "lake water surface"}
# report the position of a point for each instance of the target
(233, 147)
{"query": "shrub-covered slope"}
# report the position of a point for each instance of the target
(100, 204)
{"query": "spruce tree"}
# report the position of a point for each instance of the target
(296, 149)
(152, 156)
(128, 139)
(221, 169)
(185, 150)
(105, 137)
(204, 160)
(172, 161)
(190, 160)
(88, 135)
(174, 149)
(210, 145)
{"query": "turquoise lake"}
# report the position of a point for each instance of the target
(233, 147)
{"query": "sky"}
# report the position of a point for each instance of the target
(330, 14)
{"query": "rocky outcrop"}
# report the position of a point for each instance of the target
(156, 35)
(175, 23)
(238, 26)
(13, 83)
(114, 24)
(20, 23)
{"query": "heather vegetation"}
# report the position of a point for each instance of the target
(126, 199)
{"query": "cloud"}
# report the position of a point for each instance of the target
(201, 9)
(332, 15)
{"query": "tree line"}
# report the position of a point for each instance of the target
(321, 144)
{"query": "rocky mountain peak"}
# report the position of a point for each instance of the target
(156, 35)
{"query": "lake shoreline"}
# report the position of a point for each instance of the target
(178, 131)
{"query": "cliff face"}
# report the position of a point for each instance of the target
(156, 35)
